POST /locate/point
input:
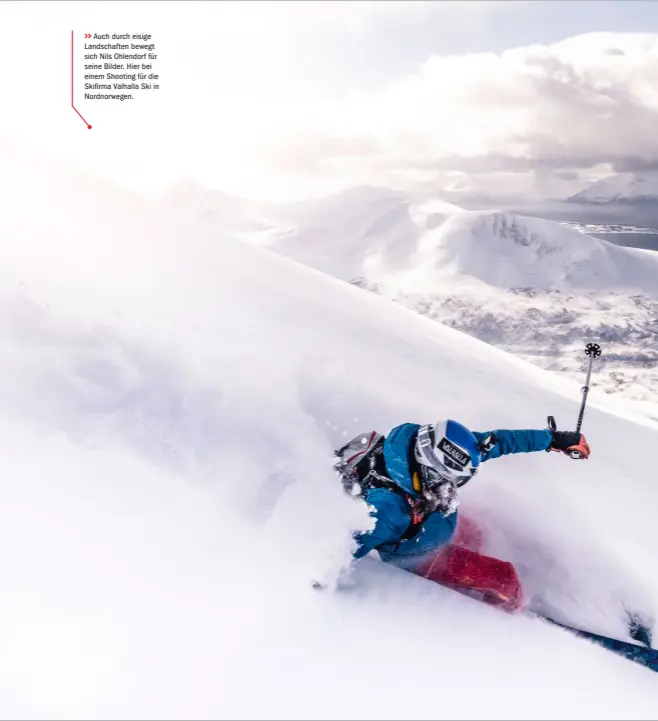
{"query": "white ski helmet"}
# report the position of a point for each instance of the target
(449, 450)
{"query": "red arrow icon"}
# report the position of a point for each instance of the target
(72, 101)
(87, 35)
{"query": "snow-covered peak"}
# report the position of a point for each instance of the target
(420, 244)
(506, 250)
(621, 188)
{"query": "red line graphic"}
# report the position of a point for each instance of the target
(72, 103)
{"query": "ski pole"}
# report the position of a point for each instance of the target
(592, 350)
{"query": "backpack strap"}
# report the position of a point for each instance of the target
(417, 510)
(417, 513)
(361, 461)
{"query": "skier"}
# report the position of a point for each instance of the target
(410, 481)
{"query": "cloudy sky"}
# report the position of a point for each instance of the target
(286, 100)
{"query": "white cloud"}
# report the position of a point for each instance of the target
(362, 15)
(577, 104)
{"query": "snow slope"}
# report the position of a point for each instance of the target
(631, 187)
(168, 409)
(231, 213)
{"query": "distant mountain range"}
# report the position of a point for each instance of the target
(629, 188)
(608, 228)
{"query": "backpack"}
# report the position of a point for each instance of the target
(361, 466)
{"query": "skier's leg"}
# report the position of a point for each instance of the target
(490, 579)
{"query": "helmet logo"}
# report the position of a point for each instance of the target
(453, 452)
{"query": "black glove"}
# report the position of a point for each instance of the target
(570, 443)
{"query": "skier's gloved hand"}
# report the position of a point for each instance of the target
(568, 441)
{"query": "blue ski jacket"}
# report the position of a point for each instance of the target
(391, 511)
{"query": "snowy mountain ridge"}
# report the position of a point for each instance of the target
(531, 286)
(631, 187)
(509, 251)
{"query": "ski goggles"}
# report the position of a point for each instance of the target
(432, 477)
(442, 469)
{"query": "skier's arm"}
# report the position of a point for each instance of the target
(522, 441)
(392, 519)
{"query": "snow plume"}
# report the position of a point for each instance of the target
(564, 573)
(204, 387)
